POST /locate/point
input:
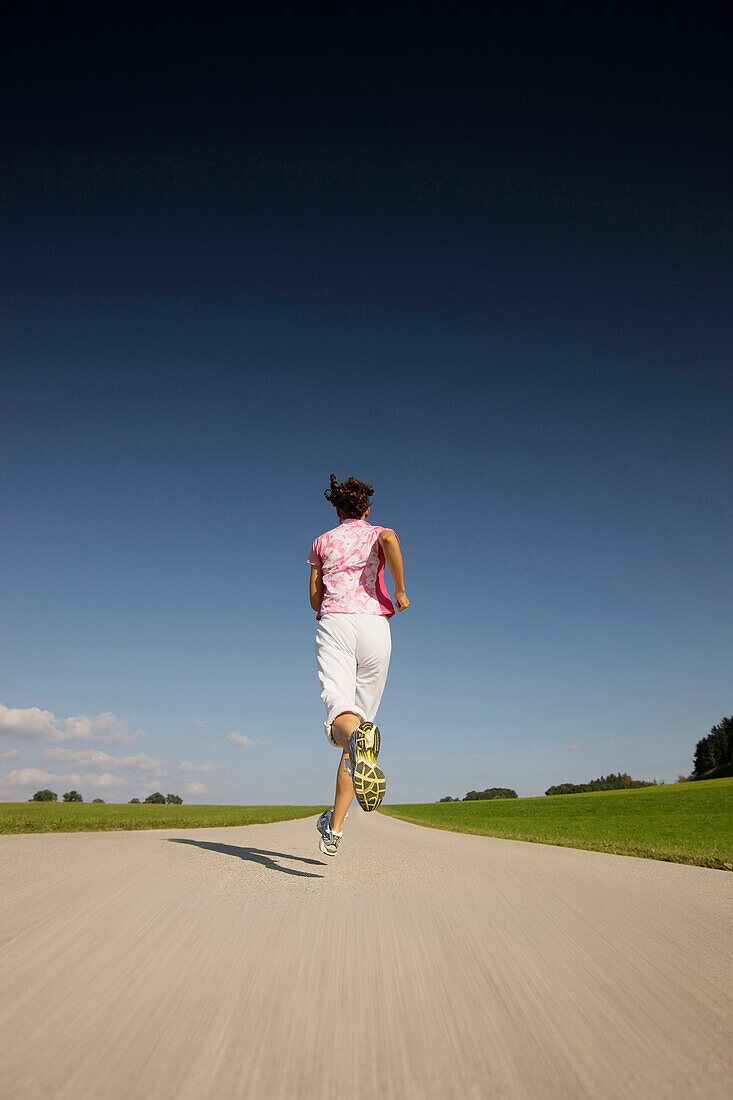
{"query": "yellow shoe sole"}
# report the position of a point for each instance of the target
(369, 781)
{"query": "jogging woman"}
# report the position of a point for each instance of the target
(353, 644)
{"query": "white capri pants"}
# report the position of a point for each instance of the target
(353, 654)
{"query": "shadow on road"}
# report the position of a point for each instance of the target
(254, 855)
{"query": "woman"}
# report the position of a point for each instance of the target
(353, 644)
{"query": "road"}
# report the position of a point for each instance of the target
(240, 962)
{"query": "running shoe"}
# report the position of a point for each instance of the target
(329, 842)
(369, 781)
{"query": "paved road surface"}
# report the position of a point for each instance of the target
(240, 962)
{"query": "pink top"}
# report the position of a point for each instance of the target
(352, 561)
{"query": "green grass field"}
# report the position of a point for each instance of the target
(680, 822)
(74, 817)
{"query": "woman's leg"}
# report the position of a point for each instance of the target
(344, 795)
(343, 727)
(336, 659)
(373, 651)
(341, 731)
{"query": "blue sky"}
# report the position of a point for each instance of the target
(524, 349)
(564, 535)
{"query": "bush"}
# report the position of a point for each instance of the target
(449, 798)
(134, 802)
(97, 800)
(72, 796)
(157, 797)
(174, 799)
(44, 796)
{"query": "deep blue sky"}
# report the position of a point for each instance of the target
(484, 265)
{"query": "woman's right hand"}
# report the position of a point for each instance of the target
(401, 600)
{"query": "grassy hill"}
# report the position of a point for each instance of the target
(680, 822)
(73, 817)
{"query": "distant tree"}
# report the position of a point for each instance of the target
(568, 788)
(97, 800)
(610, 782)
(134, 801)
(715, 750)
(490, 792)
(72, 796)
(174, 799)
(157, 797)
(449, 798)
(44, 796)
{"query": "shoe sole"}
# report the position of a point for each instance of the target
(369, 780)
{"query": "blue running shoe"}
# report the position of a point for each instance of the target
(329, 842)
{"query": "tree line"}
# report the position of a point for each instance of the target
(613, 782)
(74, 796)
(477, 796)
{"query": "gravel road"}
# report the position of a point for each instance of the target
(240, 962)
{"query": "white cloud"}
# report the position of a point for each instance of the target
(34, 778)
(628, 744)
(194, 788)
(34, 724)
(243, 740)
(20, 777)
(25, 777)
(575, 748)
(91, 757)
(103, 780)
(201, 723)
(187, 766)
(11, 754)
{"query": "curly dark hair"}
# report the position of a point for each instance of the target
(351, 496)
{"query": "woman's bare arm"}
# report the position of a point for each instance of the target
(316, 587)
(393, 556)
